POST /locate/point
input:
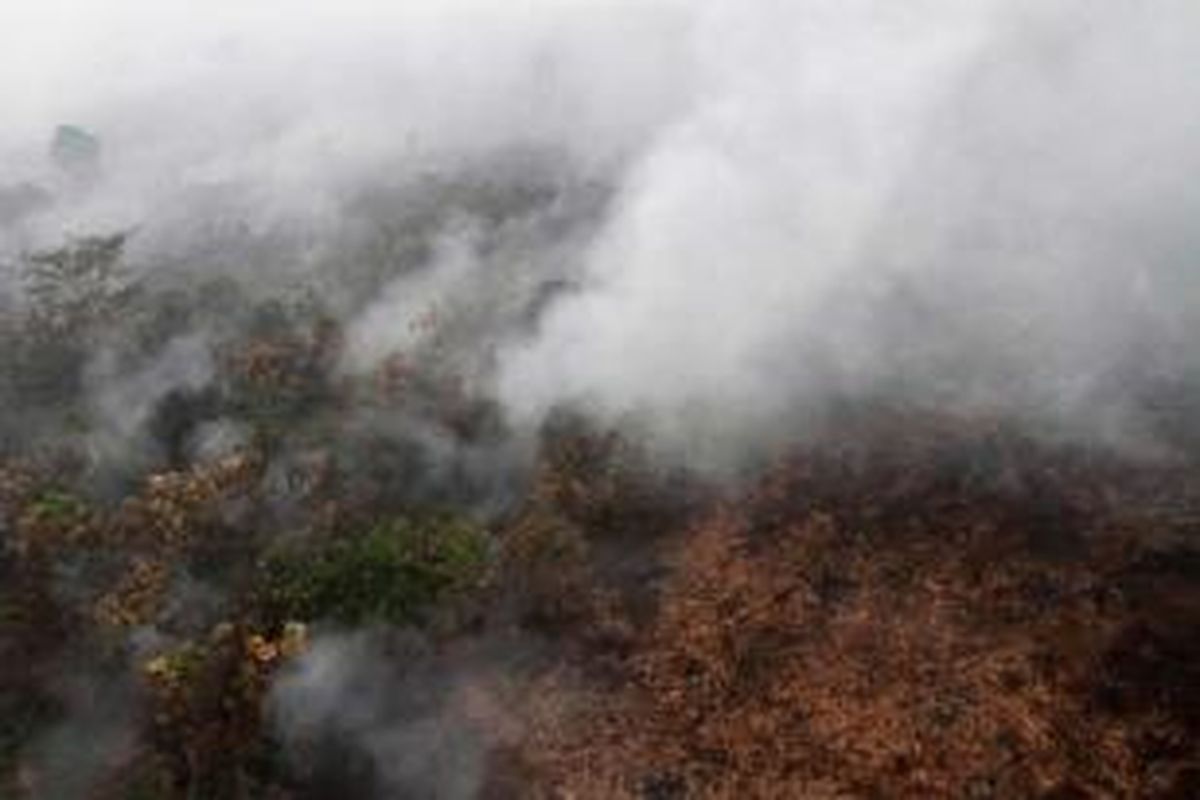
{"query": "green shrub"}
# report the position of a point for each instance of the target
(58, 506)
(394, 572)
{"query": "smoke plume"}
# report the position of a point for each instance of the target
(979, 203)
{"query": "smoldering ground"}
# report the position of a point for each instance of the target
(394, 717)
(707, 221)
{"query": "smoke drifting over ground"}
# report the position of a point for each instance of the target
(984, 204)
(280, 276)
(292, 107)
(969, 208)
(412, 712)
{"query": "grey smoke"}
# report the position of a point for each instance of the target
(122, 404)
(757, 208)
(392, 698)
(986, 205)
(293, 104)
(96, 732)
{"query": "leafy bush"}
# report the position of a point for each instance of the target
(58, 506)
(394, 572)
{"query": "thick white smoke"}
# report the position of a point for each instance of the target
(295, 104)
(764, 207)
(746, 215)
(982, 204)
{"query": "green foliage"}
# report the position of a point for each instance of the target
(58, 507)
(394, 572)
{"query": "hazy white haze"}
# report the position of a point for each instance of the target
(980, 204)
(372, 259)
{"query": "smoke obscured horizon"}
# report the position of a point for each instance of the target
(979, 206)
(367, 255)
(980, 212)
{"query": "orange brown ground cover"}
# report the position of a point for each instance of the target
(923, 609)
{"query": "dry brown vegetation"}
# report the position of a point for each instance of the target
(910, 606)
(925, 610)
(906, 604)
